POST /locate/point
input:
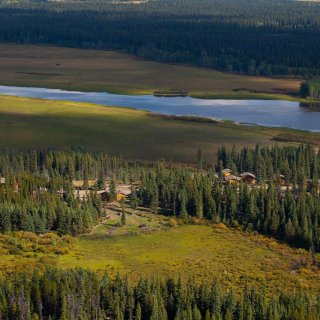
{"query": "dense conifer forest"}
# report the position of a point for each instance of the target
(37, 195)
(81, 294)
(284, 203)
(275, 37)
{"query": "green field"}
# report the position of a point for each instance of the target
(197, 251)
(92, 70)
(34, 123)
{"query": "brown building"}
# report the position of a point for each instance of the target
(120, 195)
(310, 185)
(248, 177)
(232, 179)
(226, 172)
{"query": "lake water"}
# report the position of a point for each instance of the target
(272, 113)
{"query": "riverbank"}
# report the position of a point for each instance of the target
(271, 113)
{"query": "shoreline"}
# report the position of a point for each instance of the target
(133, 91)
(173, 117)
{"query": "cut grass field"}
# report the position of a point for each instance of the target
(92, 70)
(41, 124)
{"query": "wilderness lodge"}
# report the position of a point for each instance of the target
(14, 185)
(120, 195)
(246, 177)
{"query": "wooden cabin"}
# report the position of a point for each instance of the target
(309, 186)
(15, 186)
(248, 177)
(226, 172)
(232, 179)
(104, 194)
(121, 196)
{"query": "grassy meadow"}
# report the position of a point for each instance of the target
(197, 251)
(41, 124)
(203, 252)
(92, 70)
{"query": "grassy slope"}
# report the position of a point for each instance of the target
(89, 70)
(36, 123)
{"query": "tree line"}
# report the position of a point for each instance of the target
(291, 214)
(252, 37)
(85, 295)
(288, 211)
(310, 89)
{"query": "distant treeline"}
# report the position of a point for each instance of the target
(82, 294)
(253, 37)
(310, 89)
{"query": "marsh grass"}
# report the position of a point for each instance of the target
(41, 124)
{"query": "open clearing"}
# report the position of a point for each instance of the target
(199, 251)
(92, 70)
(148, 247)
(41, 124)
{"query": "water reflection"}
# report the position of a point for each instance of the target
(311, 106)
(271, 113)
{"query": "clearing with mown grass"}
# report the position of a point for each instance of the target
(97, 70)
(41, 124)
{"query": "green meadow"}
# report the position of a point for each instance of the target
(35, 123)
(98, 70)
(197, 251)
(164, 247)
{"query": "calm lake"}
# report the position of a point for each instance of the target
(272, 113)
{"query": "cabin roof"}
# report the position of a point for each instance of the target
(232, 177)
(125, 192)
(247, 174)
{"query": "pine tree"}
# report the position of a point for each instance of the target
(138, 315)
(200, 159)
(123, 217)
(134, 201)
(101, 183)
(112, 191)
